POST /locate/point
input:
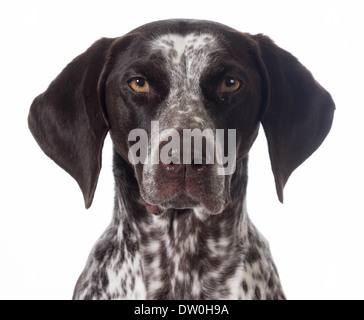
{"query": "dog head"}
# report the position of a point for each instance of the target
(166, 78)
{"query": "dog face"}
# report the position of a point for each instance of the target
(181, 75)
(184, 86)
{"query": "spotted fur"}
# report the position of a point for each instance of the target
(180, 254)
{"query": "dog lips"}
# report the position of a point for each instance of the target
(151, 209)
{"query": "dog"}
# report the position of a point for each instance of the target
(180, 230)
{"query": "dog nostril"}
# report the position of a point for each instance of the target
(197, 165)
(174, 167)
(174, 160)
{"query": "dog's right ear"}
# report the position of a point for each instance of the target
(67, 120)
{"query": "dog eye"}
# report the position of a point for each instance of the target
(139, 85)
(230, 85)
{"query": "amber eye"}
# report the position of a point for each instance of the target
(139, 85)
(230, 85)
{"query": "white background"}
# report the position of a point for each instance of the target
(316, 237)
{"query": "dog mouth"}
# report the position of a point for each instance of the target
(163, 193)
(179, 201)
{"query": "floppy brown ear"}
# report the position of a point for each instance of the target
(298, 114)
(67, 120)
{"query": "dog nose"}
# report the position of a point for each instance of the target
(198, 166)
(175, 167)
(189, 157)
(178, 169)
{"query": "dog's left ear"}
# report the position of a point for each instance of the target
(68, 122)
(298, 112)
